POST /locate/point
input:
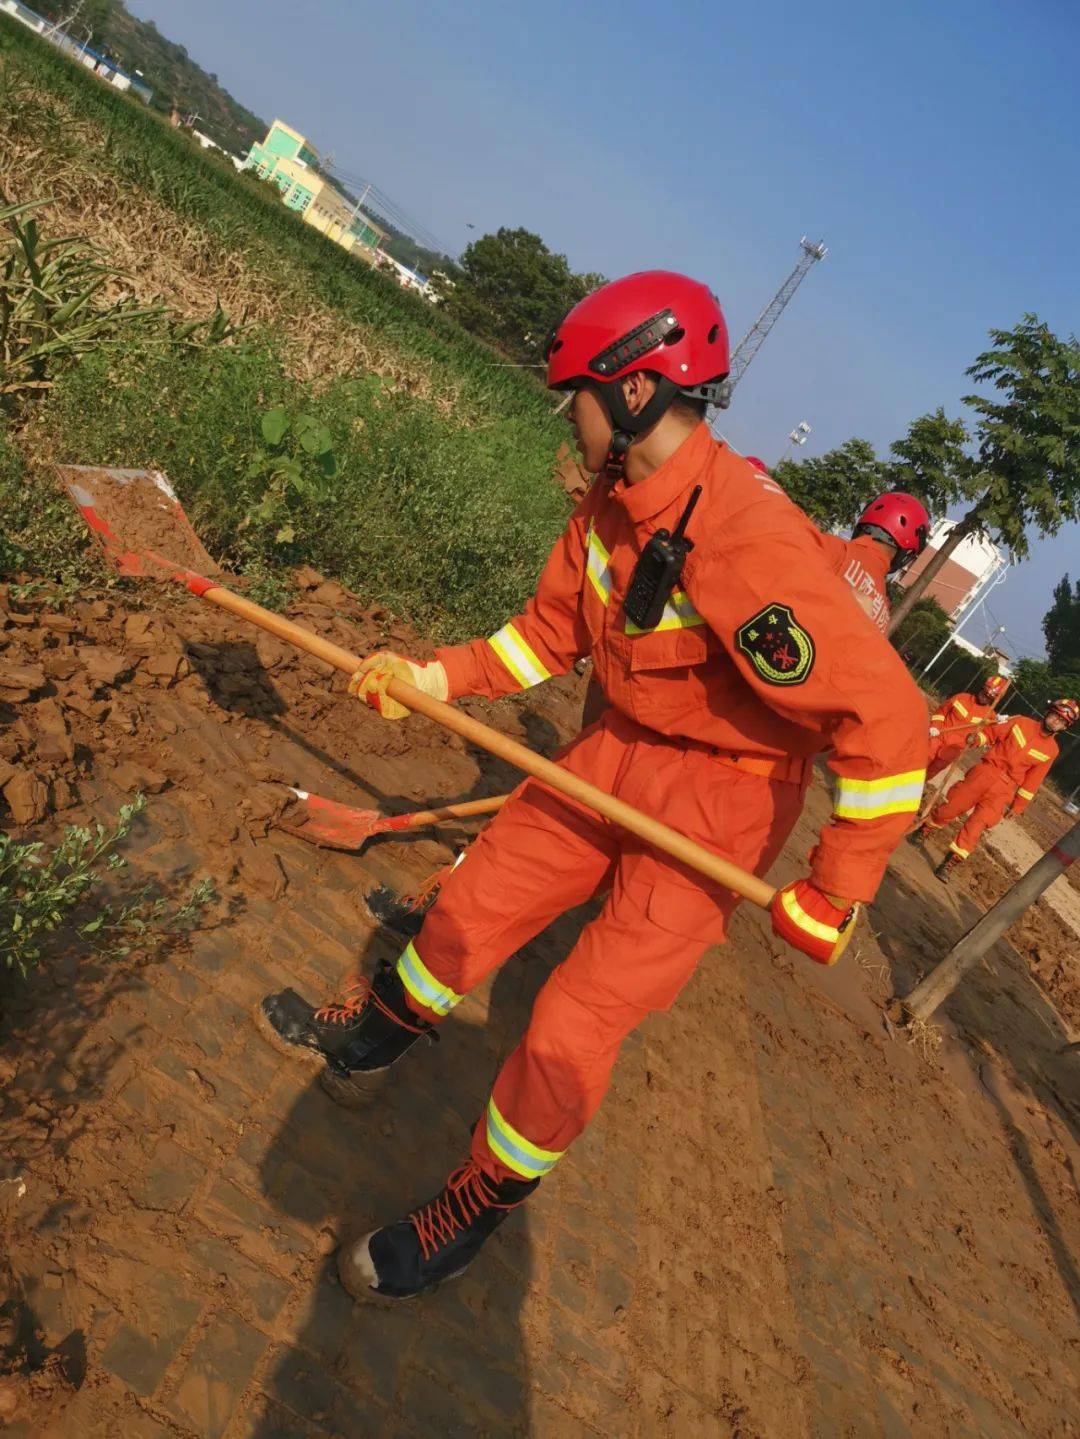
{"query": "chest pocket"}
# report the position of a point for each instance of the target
(669, 649)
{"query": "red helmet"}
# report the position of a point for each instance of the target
(1068, 709)
(655, 320)
(757, 464)
(994, 686)
(900, 519)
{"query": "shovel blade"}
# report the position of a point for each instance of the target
(331, 825)
(137, 519)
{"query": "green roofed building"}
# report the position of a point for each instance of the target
(287, 159)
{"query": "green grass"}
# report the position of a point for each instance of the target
(444, 523)
(443, 512)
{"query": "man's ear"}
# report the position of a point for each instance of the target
(638, 389)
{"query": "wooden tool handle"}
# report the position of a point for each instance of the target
(468, 807)
(687, 851)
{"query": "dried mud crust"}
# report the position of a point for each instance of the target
(144, 518)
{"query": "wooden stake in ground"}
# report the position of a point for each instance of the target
(966, 954)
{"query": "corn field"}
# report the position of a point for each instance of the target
(124, 253)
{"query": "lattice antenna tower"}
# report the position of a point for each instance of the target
(752, 341)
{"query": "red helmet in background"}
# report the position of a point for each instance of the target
(1068, 709)
(656, 320)
(994, 686)
(757, 464)
(900, 519)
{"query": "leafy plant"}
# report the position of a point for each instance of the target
(298, 459)
(41, 887)
(51, 309)
(111, 929)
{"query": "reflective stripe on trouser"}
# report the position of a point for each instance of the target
(422, 986)
(541, 856)
(986, 792)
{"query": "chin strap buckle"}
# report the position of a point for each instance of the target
(615, 464)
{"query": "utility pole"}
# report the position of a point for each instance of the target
(967, 952)
(997, 577)
(752, 341)
(356, 207)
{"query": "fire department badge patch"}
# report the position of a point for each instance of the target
(777, 646)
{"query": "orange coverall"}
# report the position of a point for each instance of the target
(864, 565)
(1020, 754)
(961, 709)
(759, 662)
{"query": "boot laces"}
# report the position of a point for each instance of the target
(427, 891)
(468, 1192)
(358, 995)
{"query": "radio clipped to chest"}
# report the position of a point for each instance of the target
(658, 571)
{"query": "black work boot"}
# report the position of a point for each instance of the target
(354, 1041)
(945, 868)
(434, 1243)
(398, 912)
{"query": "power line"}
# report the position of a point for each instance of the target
(380, 203)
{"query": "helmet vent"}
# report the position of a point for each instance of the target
(713, 334)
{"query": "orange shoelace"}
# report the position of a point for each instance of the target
(357, 997)
(427, 891)
(467, 1194)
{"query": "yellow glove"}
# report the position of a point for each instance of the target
(370, 681)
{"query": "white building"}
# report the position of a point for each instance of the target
(971, 565)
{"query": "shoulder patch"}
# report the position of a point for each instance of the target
(778, 647)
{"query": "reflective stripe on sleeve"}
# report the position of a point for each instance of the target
(806, 922)
(515, 1151)
(1019, 736)
(518, 657)
(1038, 754)
(422, 984)
(597, 567)
(872, 798)
(1025, 794)
(679, 614)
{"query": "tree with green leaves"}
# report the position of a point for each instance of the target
(1061, 626)
(1026, 468)
(924, 631)
(833, 488)
(509, 289)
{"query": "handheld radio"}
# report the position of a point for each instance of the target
(658, 571)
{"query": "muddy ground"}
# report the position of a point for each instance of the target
(787, 1220)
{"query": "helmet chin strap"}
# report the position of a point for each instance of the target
(626, 427)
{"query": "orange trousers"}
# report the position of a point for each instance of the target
(943, 750)
(542, 855)
(987, 792)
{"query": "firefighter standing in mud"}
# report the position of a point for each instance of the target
(958, 723)
(1019, 754)
(727, 666)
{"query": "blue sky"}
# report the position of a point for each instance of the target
(932, 145)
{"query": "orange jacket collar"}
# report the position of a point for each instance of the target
(650, 497)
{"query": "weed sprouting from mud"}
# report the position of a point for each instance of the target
(42, 888)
